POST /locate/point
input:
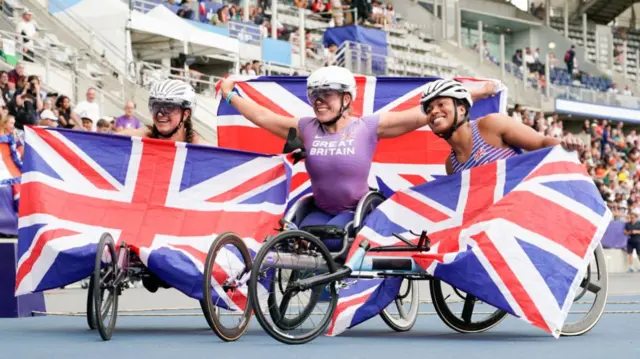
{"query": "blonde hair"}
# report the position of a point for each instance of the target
(3, 123)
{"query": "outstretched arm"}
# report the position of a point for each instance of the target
(394, 124)
(518, 135)
(260, 116)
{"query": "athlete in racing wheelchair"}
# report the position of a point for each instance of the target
(340, 153)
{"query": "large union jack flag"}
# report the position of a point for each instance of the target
(399, 163)
(517, 234)
(166, 200)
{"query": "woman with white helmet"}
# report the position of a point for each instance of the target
(171, 104)
(339, 147)
(446, 104)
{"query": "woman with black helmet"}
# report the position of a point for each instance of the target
(474, 143)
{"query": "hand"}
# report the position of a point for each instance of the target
(571, 143)
(488, 89)
(226, 87)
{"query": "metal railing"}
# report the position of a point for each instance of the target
(149, 72)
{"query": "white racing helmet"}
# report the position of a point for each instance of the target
(332, 78)
(175, 92)
(445, 88)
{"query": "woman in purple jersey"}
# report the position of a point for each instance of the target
(474, 143)
(339, 147)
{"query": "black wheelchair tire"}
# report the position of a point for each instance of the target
(91, 315)
(253, 287)
(455, 323)
(211, 312)
(106, 331)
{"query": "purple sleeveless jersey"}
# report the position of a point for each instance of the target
(339, 164)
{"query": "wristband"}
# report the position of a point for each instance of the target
(229, 96)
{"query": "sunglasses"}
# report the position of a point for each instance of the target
(164, 108)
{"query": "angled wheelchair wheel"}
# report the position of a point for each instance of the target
(277, 304)
(106, 287)
(402, 313)
(91, 314)
(463, 323)
(278, 290)
(227, 271)
(593, 288)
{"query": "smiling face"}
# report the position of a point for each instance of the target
(441, 112)
(167, 116)
(327, 104)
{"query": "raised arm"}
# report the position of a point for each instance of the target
(262, 117)
(518, 135)
(394, 124)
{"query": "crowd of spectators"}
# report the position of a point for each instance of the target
(25, 102)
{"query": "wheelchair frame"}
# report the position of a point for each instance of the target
(114, 276)
(361, 267)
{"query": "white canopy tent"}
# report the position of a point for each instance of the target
(160, 33)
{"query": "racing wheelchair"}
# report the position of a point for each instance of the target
(304, 250)
(115, 269)
(231, 282)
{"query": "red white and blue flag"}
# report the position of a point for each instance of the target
(166, 200)
(517, 234)
(399, 163)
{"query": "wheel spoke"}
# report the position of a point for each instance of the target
(591, 287)
(401, 311)
(467, 310)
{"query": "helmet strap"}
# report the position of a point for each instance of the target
(447, 134)
(173, 132)
(339, 116)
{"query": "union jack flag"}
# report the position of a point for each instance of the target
(399, 163)
(166, 200)
(517, 233)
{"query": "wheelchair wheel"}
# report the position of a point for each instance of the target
(596, 284)
(303, 254)
(396, 314)
(91, 315)
(462, 323)
(228, 264)
(106, 281)
(278, 289)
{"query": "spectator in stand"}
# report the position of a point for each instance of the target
(4, 87)
(627, 91)
(87, 122)
(337, 12)
(104, 126)
(255, 68)
(390, 14)
(187, 9)
(48, 119)
(613, 89)
(67, 117)
(570, 60)
(27, 103)
(28, 33)
(632, 229)
(128, 120)
(89, 106)
(377, 13)
(245, 69)
(517, 58)
(304, 4)
(17, 77)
